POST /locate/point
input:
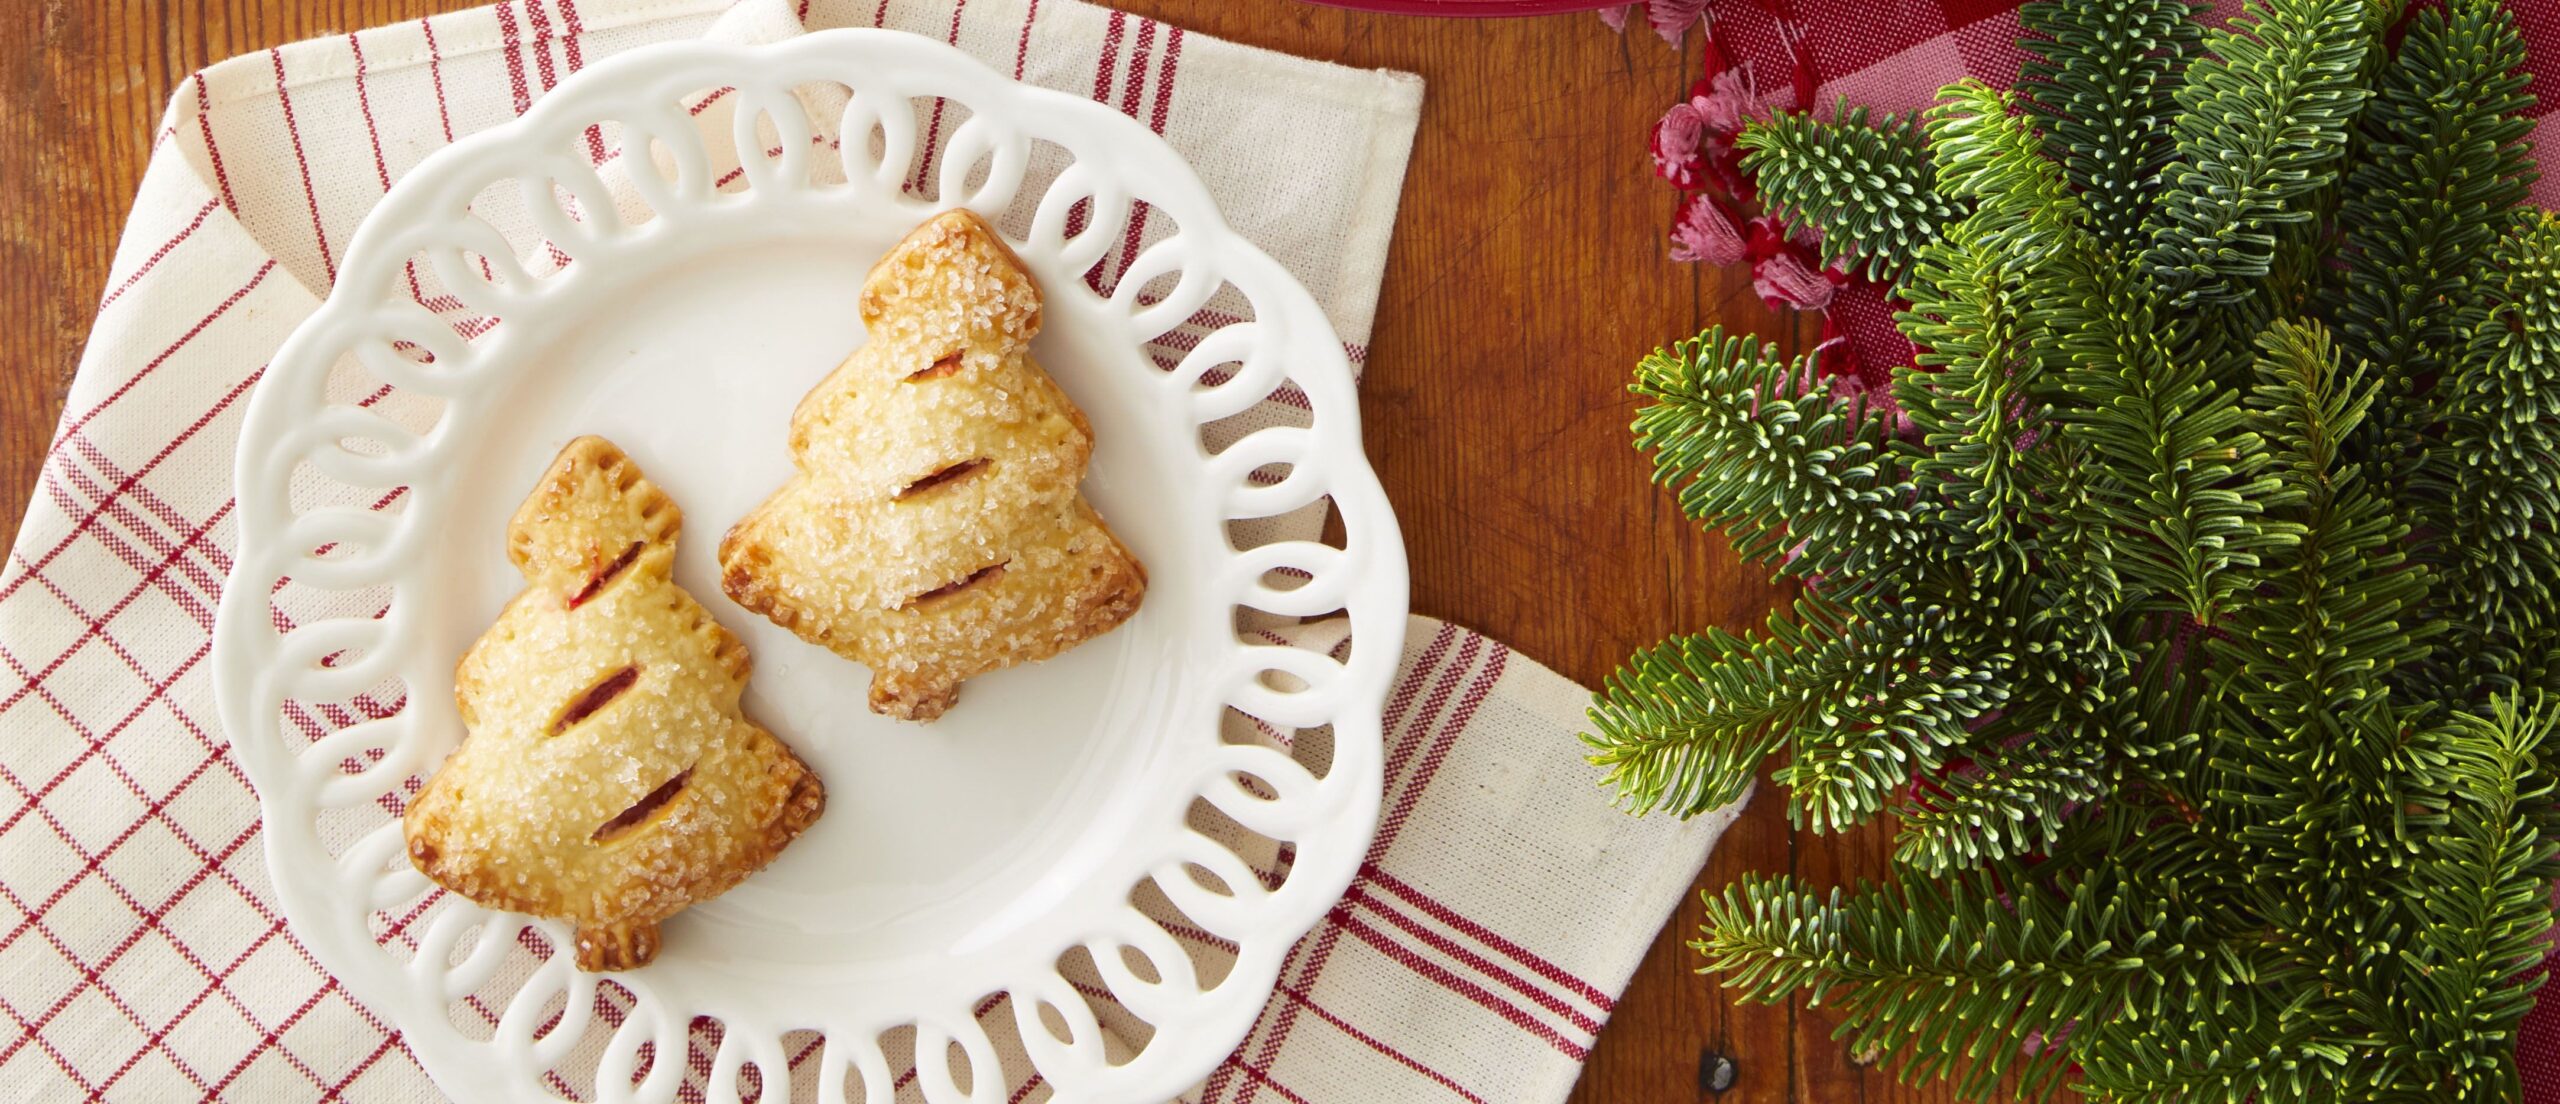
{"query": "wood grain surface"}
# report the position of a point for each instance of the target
(1528, 274)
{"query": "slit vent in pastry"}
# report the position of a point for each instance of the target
(610, 778)
(860, 554)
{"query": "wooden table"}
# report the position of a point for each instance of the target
(1527, 276)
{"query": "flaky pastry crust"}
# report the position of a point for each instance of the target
(933, 530)
(609, 777)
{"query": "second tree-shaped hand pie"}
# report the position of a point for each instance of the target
(609, 778)
(933, 531)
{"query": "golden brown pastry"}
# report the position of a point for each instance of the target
(933, 531)
(609, 778)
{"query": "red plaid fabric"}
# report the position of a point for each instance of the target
(1895, 56)
(141, 957)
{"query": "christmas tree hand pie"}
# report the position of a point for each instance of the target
(610, 778)
(933, 531)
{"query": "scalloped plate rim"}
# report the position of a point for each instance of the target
(266, 763)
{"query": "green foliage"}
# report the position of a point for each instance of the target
(1956, 975)
(2179, 484)
(2347, 569)
(2022, 205)
(2263, 119)
(1684, 726)
(2314, 769)
(2493, 486)
(1753, 446)
(2199, 634)
(2425, 205)
(1866, 187)
(1973, 416)
(2478, 905)
(2100, 88)
(1918, 671)
(1860, 695)
(2012, 802)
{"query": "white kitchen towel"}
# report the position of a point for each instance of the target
(141, 955)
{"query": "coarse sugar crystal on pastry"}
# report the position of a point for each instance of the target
(933, 530)
(609, 777)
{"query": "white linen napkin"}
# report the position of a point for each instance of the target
(141, 955)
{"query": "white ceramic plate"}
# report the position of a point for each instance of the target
(968, 897)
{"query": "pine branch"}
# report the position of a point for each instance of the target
(1684, 725)
(1866, 189)
(2254, 1052)
(2263, 119)
(2496, 476)
(2139, 634)
(2442, 162)
(2479, 904)
(2337, 616)
(2004, 805)
(1974, 319)
(2023, 207)
(1954, 973)
(1916, 679)
(1862, 695)
(2101, 89)
(2079, 592)
(1750, 443)
(2180, 485)
(2315, 768)
(1970, 467)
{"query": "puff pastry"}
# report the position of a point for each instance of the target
(933, 530)
(609, 778)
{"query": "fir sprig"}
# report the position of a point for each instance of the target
(1975, 415)
(2202, 633)
(2180, 480)
(2100, 84)
(1684, 726)
(2424, 205)
(1866, 188)
(1955, 975)
(1751, 442)
(2262, 122)
(2479, 904)
(2490, 490)
(2014, 802)
(1986, 153)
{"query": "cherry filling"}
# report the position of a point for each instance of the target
(948, 474)
(596, 582)
(948, 589)
(949, 364)
(640, 811)
(596, 697)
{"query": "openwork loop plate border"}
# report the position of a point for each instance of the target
(351, 438)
